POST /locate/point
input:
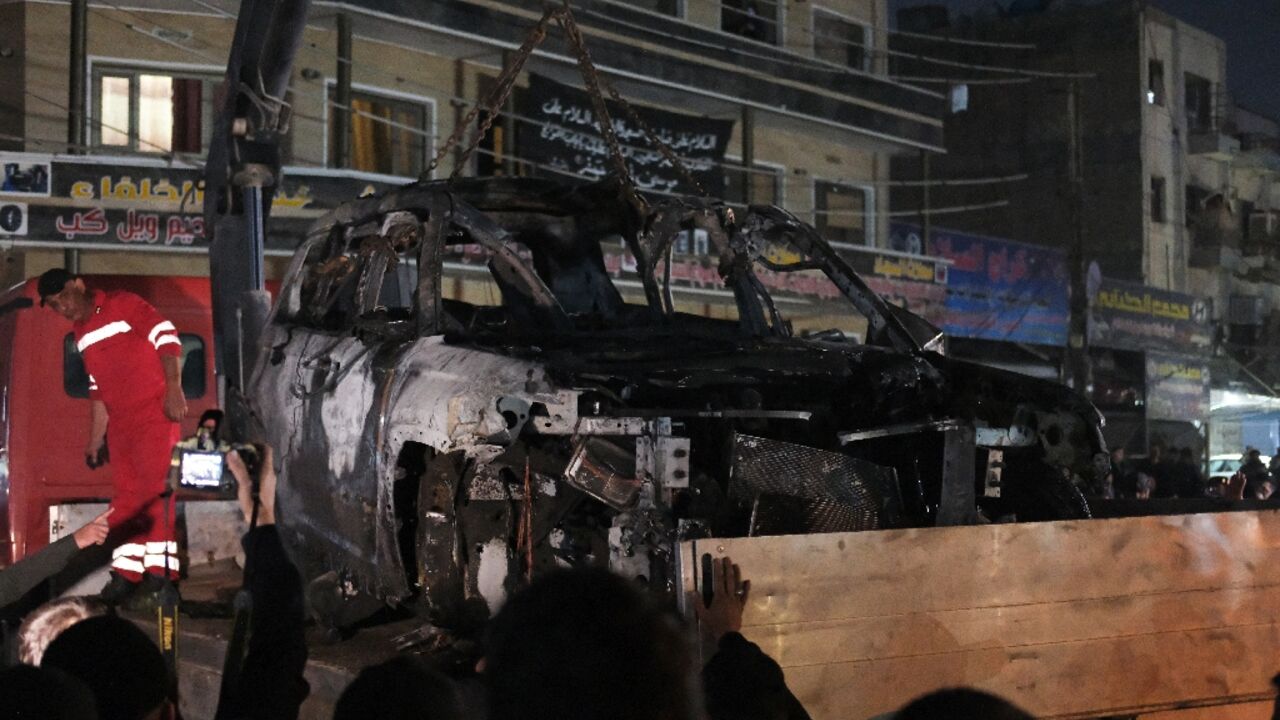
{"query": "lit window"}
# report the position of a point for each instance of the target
(388, 135)
(114, 112)
(1155, 82)
(153, 112)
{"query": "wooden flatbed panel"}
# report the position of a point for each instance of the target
(1243, 711)
(1069, 619)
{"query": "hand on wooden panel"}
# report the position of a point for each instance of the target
(728, 599)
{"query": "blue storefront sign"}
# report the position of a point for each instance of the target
(998, 289)
(1128, 316)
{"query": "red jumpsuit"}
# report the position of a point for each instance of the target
(122, 343)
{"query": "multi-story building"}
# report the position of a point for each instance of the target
(796, 94)
(1118, 116)
(1151, 133)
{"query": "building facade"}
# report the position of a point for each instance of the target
(1129, 158)
(808, 114)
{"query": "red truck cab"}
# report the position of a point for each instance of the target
(44, 406)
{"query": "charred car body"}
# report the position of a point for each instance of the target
(441, 451)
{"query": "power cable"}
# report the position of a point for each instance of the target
(915, 213)
(537, 123)
(946, 39)
(810, 62)
(153, 36)
(132, 136)
(865, 48)
(517, 117)
(455, 99)
(529, 162)
(964, 81)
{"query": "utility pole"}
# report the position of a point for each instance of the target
(748, 154)
(507, 148)
(925, 220)
(1081, 370)
(78, 36)
(342, 115)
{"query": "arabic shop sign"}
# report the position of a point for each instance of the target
(146, 203)
(1177, 387)
(566, 136)
(1128, 316)
(998, 289)
(916, 283)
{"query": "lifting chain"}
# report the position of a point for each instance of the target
(591, 80)
(653, 138)
(497, 99)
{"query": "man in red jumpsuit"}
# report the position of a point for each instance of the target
(134, 360)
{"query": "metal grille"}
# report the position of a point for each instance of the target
(798, 489)
(787, 515)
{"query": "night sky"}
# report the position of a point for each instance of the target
(1251, 29)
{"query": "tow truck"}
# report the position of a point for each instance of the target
(436, 455)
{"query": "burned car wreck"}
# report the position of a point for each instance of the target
(439, 451)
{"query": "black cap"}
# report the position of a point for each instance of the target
(52, 282)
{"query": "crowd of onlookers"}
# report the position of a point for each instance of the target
(1179, 473)
(579, 644)
(573, 645)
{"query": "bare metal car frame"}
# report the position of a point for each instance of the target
(438, 452)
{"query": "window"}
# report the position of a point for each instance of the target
(1157, 200)
(666, 7)
(193, 365)
(500, 149)
(388, 135)
(1155, 82)
(766, 185)
(152, 111)
(75, 380)
(843, 213)
(840, 41)
(754, 19)
(1199, 104)
(1194, 202)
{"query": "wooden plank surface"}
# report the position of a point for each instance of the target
(1068, 619)
(1243, 711)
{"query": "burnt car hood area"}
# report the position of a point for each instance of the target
(568, 408)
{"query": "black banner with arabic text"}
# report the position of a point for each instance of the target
(566, 137)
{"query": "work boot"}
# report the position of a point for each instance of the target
(118, 590)
(147, 597)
